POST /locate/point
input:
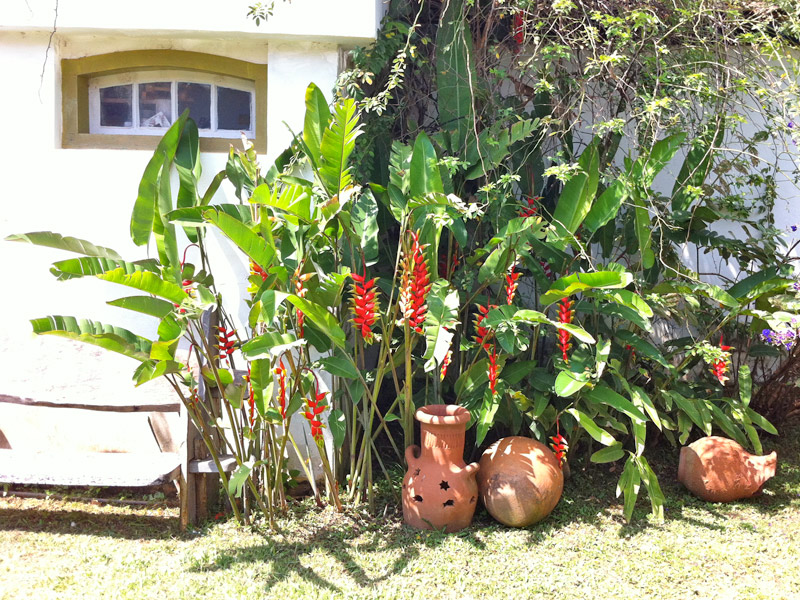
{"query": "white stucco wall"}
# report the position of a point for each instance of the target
(89, 193)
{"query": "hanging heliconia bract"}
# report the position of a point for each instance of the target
(280, 371)
(415, 284)
(314, 409)
(365, 305)
(482, 332)
(493, 370)
(565, 315)
(512, 283)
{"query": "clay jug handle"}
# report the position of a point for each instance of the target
(471, 469)
(412, 453)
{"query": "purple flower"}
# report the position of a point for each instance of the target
(791, 124)
(793, 227)
(768, 336)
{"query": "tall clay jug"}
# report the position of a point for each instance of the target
(439, 489)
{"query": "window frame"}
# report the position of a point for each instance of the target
(79, 78)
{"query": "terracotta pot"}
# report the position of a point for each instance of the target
(520, 481)
(439, 489)
(717, 469)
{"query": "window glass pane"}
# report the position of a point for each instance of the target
(233, 109)
(155, 104)
(116, 106)
(197, 98)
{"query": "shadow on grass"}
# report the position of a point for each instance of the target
(83, 522)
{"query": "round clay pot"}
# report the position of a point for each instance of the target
(520, 481)
(439, 489)
(716, 469)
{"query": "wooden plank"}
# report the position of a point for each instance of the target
(125, 469)
(228, 462)
(123, 408)
(162, 432)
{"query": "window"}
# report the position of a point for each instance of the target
(129, 99)
(148, 102)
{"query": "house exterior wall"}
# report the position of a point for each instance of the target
(89, 193)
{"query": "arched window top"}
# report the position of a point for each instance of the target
(128, 99)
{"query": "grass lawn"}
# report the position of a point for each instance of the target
(67, 549)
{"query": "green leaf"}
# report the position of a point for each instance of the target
(440, 320)
(318, 115)
(579, 282)
(727, 425)
(187, 164)
(697, 165)
(744, 287)
(147, 305)
(323, 319)
(364, 219)
(337, 423)
(338, 142)
(605, 395)
(629, 483)
(643, 231)
(642, 400)
(745, 384)
(493, 146)
(486, 414)
(425, 177)
(261, 379)
(455, 74)
(85, 266)
(591, 427)
(249, 242)
(606, 207)
(145, 209)
(576, 198)
(609, 454)
(238, 479)
(339, 367)
(567, 383)
(109, 337)
(270, 344)
(576, 331)
(761, 421)
(152, 369)
(146, 281)
(690, 409)
(70, 244)
(642, 347)
(653, 488)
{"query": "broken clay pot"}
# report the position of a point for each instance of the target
(717, 469)
(439, 489)
(520, 481)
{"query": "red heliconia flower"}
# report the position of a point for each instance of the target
(300, 291)
(415, 285)
(365, 305)
(314, 408)
(720, 367)
(255, 269)
(251, 402)
(443, 270)
(519, 28)
(280, 371)
(446, 363)
(548, 272)
(531, 209)
(481, 332)
(565, 315)
(493, 370)
(560, 447)
(512, 283)
(227, 341)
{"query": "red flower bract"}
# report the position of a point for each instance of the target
(415, 284)
(493, 370)
(720, 367)
(560, 447)
(565, 315)
(280, 371)
(313, 409)
(511, 283)
(481, 332)
(227, 341)
(446, 363)
(365, 305)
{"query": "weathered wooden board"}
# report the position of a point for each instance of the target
(161, 407)
(207, 465)
(134, 469)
